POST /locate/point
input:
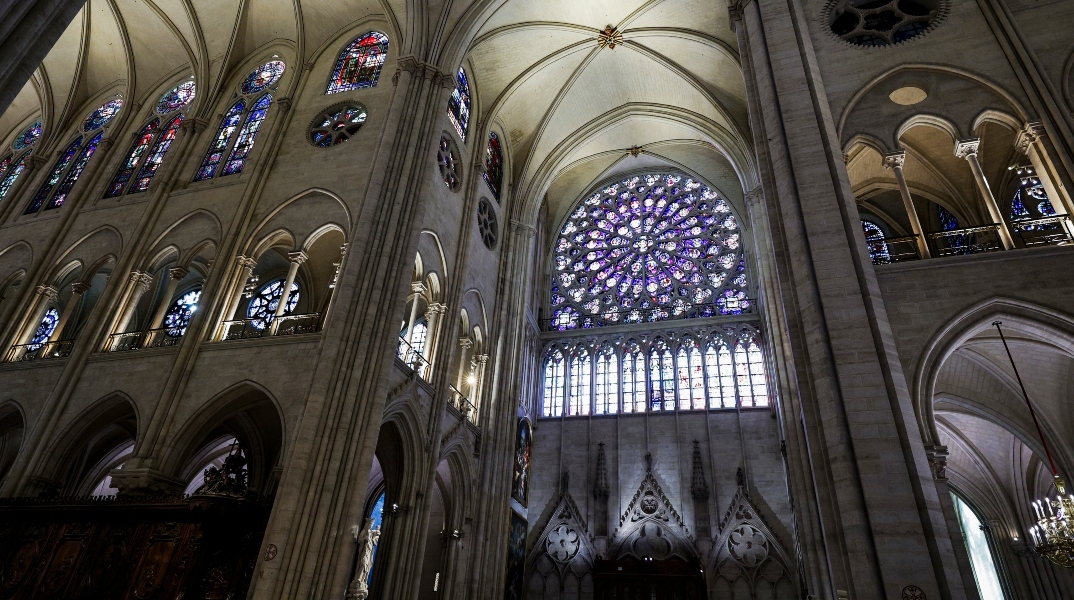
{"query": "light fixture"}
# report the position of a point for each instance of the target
(1053, 535)
(470, 379)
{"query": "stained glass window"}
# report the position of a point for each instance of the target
(691, 377)
(974, 532)
(12, 175)
(578, 400)
(262, 77)
(554, 375)
(126, 171)
(874, 240)
(336, 124)
(360, 63)
(720, 375)
(458, 108)
(156, 156)
(181, 311)
(262, 307)
(634, 391)
(376, 516)
(74, 173)
(215, 155)
(607, 382)
(58, 169)
(948, 221)
(29, 136)
(176, 98)
(1030, 191)
(247, 136)
(45, 329)
(103, 114)
(661, 378)
(749, 369)
(4, 164)
(648, 248)
(494, 165)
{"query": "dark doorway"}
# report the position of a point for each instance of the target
(648, 580)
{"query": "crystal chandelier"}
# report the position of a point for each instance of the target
(1053, 535)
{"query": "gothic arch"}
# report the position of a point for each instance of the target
(305, 215)
(90, 249)
(188, 236)
(12, 430)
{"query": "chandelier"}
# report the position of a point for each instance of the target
(1053, 535)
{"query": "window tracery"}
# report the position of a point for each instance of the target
(126, 171)
(459, 105)
(156, 156)
(263, 77)
(44, 330)
(360, 63)
(28, 137)
(181, 311)
(486, 223)
(260, 79)
(666, 373)
(177, 97)
(336, 124)
(102, 115)
(147, 152)
(221, 141)
(648, 248)
(262, 307)
(247, 136)
(493, 174)
(882, 22)
(447, 159)
(55, 175)
(13, 174)
(1030, 191)
(874, 241)
(74, 173)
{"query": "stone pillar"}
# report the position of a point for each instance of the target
(895, 161)
(417, 288)
(937, 457)
(77, 289)
(432, 338)
(967, 149)
(296, 258)
(601, 492)
(175, 275)
(466, 344)
(140, 282)
(1033, 141)
(46, 296)
(478, 388)
(245, 269)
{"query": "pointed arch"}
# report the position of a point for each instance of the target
(359, 64)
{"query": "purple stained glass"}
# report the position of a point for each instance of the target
(650, 248)
(103, 114)
(459, 105)
(177, 97)
(215, 155)
(262, 77)
(4, 164)
(247, 136)
(359, 65)
(74, 173)
(140, 147)
(54, 177)
(494, 165)
(12, 175)
(156, 156)
(29, 136)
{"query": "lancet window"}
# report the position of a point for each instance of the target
(459, 105)
(1030, 200)
(250, 112)
(14, 164)
(874, 240)
(359, 65)
(722, 368)
(148, 150)
(494, 165)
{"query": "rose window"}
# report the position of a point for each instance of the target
(447, 158)
(882, 22)
(648, 248)
(337, 124)
(486, 223)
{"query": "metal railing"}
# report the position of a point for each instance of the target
(1048, 231)
(967, 240)
(727, 306)
(896, 249)
(413, 359)
(243, 329)
(165, 337)
(462, 404)
(40, 351)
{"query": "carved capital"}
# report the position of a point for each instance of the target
(755, 196)
(1029, 135)
(284, 104)
(297, 257)
(35, 161)
(937, 457)
(481, 359)
(79, 287)
(967, 148)
(466, 343)
(47, 291)
(178, 272)
(193, 125)
(893, 160)
(735, 9)
(143, 279)
(245, 262)
(417, 287)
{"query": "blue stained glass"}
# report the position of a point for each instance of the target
(262, 77)
(29, 136)
(156, 156)
(247, 136)
(4, 164)
(177, 97)
(494, 166)
(182, 310)
(874, 240)
(459, 105)
(376, 515)
(262, 307)
(1030, 191)
(61, 165)
(12, 175)
(215, 155)
(103, 114)
(948, 221)
(1018, 209)
(641, 242)
(76, 171)
(359, 65)
(141, 145)
(45, 329)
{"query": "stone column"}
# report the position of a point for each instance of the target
(1033, 141)
(245, 269)
(937, 457)
(175, 275)
(46, 295)
(432, 318)
(140, 282)
(296, 258)
(417, 288)
(77, 289)
(967, 149)
(466, 344)
(478, 388)
(895, 161)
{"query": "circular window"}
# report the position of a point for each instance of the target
(262, 77)
(447, 158)
(882, 22)
(336, 124)
(486, 223)
(262, 307)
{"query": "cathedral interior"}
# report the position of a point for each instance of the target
(516, 299)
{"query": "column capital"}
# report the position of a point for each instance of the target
(178, 272)
(734, 8)
(79, 287)
(194, 125)
(36, 160)
(754, 197)
(937, 457)
(1029, 135)
(466, 342)
(47, 291)
(967, 148)
(143, 279)
(245, 262)
(284, 103)
(481, 359)
(297, 257)
(893, 160)
(417, 287)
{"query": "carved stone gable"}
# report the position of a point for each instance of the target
(747, 548)
(650, 527)
(564, 542)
